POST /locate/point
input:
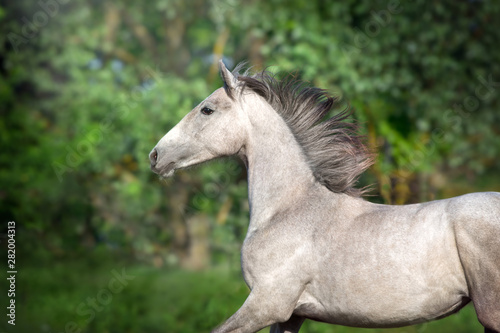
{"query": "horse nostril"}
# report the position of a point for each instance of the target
(153, 157)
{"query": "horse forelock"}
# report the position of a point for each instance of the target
(334, 149)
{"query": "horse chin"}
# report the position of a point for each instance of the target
(168, 170)
(168, 174)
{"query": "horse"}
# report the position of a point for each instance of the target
(315, 249)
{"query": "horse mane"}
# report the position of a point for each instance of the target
(334, 149)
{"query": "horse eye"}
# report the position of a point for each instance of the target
(207, 111)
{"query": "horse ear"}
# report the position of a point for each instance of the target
(229, 80)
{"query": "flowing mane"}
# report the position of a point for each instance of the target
(333, 147)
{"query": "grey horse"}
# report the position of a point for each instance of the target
(314, 248)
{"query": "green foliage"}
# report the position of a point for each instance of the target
(153, 300)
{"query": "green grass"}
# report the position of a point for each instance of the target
(56, 297)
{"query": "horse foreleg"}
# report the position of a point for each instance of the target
(291, 326)
(262, 308)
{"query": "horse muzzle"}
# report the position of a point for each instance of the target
(156, 167)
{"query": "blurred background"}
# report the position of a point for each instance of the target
(88, 87)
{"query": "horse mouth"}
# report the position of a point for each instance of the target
(165, 172)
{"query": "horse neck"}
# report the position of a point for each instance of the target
(278, 172)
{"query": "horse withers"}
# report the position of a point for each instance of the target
(314, 248)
